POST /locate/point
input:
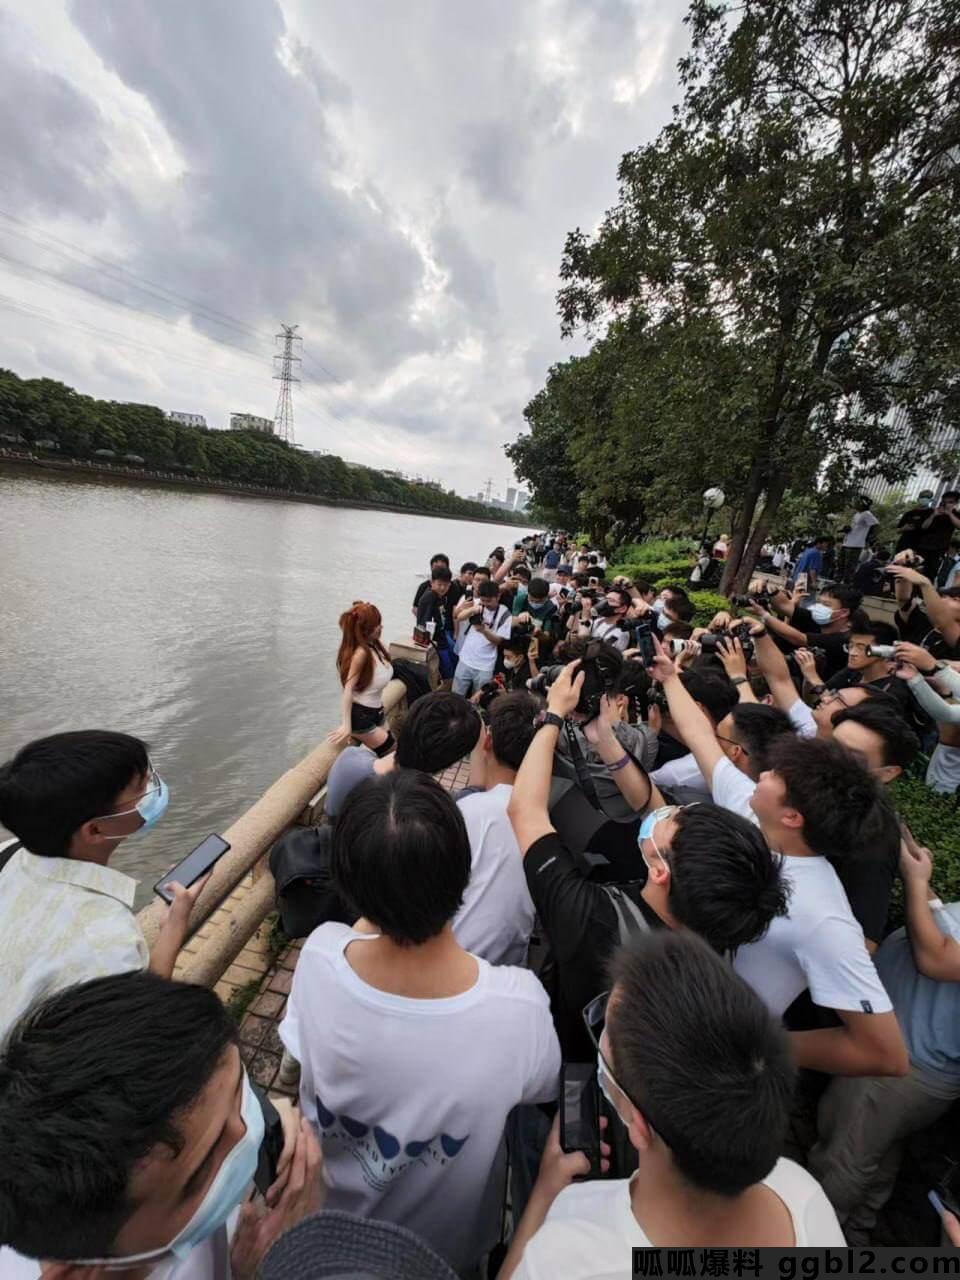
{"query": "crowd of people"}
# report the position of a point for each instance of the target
(636, 984)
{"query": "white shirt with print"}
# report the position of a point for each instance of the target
(62, 921)
(410, 1096)
(479, 652)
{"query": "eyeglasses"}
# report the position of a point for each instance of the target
(720, 738)
(594, 1019)
(834, 695)
(650, 821)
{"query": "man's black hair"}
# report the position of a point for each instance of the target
(682, 609)
(879, 632)
(538, 589)
(468, 566)
(488, 590)
(439, 558)
(847, 597)
(677, 591)
(697, 1052)
(950, 493)
(441, 574)
(758, 727)
(642, 586)
(759, 686)
(622, 594)
(92, 1079)
(725, 884)
(582, 579)
(401, 855)
(522, 571)
(634, 683)
(54, 785)
(900, 743)
(440, 729)
(679, 631)
(511, 721)
(831, 788)
(516, 644)
(822, 537)
(481, 568)
(714, 693)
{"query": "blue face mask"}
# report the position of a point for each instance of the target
(662, 622)
(151, 807)
(821, 614)
(225, 1192)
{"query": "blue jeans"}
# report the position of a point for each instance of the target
(467, 680)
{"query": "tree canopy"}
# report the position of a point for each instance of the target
(780, 277)
(40, 408)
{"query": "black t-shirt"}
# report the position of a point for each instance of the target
(439, 610)
(917, 628)
(454, 595)
(868, 880)
(834, 649)
(668, 748)
(580, 924)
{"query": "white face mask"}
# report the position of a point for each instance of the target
(511, 664)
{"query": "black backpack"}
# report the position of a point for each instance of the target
(306, 894)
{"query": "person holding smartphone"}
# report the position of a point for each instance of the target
(65, 914)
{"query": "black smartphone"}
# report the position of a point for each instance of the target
(194, 865)
(271, 1148)
(580, 1112)
(645, 644)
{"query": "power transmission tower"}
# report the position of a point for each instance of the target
(283, 419)
(489, 490)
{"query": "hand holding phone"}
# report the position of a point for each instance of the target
(580, 1112)
(194, 866)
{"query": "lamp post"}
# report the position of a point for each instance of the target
(713, 500)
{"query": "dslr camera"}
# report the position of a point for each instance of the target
(762, 598)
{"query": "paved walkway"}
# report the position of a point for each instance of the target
(260, 1044)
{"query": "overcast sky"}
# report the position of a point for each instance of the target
(396, 178)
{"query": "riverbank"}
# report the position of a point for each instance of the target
(13, 461)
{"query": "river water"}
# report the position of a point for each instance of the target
(204, 624)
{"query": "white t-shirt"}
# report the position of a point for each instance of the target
(682, 772)
(410, 1096)
(860, 526)
(210, 1260)
(497, 915)
(818, 944)
(733, 790)
(590, 1230)
(476, 650)
(801, 717)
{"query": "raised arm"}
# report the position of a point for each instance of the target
(691, 723)
(938, 610)
(783, 629)
(935, 955)
(528, 809)
(634, 785)
(773, 666)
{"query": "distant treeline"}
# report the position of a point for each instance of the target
(49, 415)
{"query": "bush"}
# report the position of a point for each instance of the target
(664, 571)
(707, 603)
(655, 550)
(934, 819)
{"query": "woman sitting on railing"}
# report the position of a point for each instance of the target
(365, 671)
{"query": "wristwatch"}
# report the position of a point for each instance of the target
(549, 717)
(736, 681)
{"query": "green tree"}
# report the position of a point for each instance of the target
(806, 199)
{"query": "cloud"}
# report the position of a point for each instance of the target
(52, 149)
(398, 181)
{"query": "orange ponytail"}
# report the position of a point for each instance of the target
(358, 625)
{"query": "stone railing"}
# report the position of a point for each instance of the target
(241, 889)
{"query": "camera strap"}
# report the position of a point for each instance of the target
(580, 766)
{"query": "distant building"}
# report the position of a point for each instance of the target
(937, 480)
(522, 499)
(250, 422)
(511, 497)
(188, 419)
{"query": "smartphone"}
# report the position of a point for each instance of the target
(271, 1148)
(194, 865)
(647, 651)
(580, 1112)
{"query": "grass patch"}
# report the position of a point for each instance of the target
(242, 998)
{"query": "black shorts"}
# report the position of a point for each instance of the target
(365, 719)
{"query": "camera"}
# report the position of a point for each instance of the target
(762, 598)
(542, 682)
(490, 690)
(881, 651)
(600, 666)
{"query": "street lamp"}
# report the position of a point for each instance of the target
(713, 500)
